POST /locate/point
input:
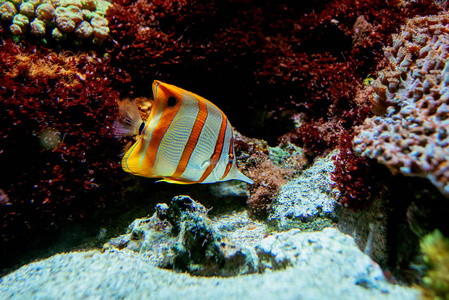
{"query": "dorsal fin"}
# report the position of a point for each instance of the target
(129, 121)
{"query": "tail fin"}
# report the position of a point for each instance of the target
(235, 174)
(244, 178)
(128, 121)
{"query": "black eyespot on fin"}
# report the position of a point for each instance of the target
(141, 127)
(171, 101)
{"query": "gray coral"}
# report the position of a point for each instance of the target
(412, 96)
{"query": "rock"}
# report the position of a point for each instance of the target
(328, 265)
(232, 188)
(307, 197)
(181, 236)
(328, 249)
(242, 230)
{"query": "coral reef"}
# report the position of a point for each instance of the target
(59, 162)
(268, 60)
(435, 249)
(57, 18)
(412, 94)
(180, 236)
(330, 80)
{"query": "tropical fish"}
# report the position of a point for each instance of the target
(186, 139)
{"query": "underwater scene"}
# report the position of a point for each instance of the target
(227, 149)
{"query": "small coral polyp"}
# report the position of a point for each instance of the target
(412, 96)
(84, 17)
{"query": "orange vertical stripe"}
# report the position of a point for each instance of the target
(217, 151)
(193, 139)
(231, 156)
(159, 131)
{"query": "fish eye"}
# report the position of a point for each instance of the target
(171, 101)
(141, 127)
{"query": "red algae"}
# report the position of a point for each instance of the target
(57, 156)
(281, 57)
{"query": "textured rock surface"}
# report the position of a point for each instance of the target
(182, 237)
(323, 265)
(412, 137)
(310, 195)
(231, 188)
(240, 228)
(314, 250)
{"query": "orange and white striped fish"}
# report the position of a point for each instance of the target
(185, 140)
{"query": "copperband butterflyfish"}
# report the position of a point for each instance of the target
(186, 139)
